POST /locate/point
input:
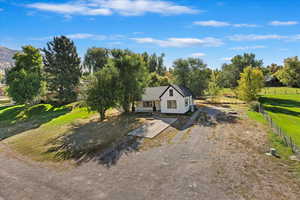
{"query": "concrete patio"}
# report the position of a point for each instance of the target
(153, 127)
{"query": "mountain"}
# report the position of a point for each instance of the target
(6, 55)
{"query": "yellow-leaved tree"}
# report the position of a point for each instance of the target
(250, 84)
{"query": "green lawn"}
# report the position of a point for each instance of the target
(46, 133)
(285, 111)
(19, 118)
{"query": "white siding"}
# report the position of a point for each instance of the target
(181, 108)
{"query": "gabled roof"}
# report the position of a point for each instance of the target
(183, 91)
(153, 93)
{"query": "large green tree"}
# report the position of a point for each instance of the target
(191, 73)
(25, 79)
(200, 75)
(155, 63)
(250, 84)
(290, 73)
(231, 72)
(156, 80)
(62, 67)
(214, 85)
(103, 90)
(133, 76)
(95, 59)
(182, 72)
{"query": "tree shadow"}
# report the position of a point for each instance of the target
(17, 119)
(103, 142)
(276, 105)
(281, 111)
(211, 117)
(279, 102)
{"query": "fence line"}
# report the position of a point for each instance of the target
(280, 91)
(287, 140)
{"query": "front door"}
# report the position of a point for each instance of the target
(154, 106)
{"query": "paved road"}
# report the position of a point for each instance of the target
(223, 162)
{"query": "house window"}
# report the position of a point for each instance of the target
(171, 92)
(172, 104)
(186, 102)
(147, 104)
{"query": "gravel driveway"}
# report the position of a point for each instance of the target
(224, 161)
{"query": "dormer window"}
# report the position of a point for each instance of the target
(171, 92)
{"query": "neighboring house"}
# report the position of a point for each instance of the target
(272, 81)
(165, 99)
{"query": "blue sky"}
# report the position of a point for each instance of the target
(213, 30)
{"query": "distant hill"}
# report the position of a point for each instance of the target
(6, 55)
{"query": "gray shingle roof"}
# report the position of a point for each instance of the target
(183, 90)
(153, 93)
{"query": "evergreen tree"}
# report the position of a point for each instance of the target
(25, 79)
(161, 69)
(62, 67)
(153, 63)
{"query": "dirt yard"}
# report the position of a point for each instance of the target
(223, 159)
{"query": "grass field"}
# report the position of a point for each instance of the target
(285, 111)
(47, 133)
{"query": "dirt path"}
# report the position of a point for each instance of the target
(220, 162)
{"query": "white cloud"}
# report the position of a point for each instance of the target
(181, 42)
(214, 23)
(70, 9)
(198, 54)
(253, 37)
(81, 36)
(245, 25)
(283, 23)
(108, 7)
(248, 47)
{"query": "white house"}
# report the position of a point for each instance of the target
(165, 99)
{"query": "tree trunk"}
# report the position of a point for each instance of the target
(126, 104)
(133, 107)
(102, 115)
